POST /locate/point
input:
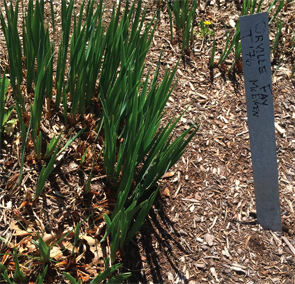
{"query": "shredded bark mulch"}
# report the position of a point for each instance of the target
(203, 226)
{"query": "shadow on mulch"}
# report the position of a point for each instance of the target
(142, 259)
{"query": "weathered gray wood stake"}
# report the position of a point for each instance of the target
(259, 98)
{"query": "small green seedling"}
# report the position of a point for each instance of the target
(280, 7)
(40, 278)
(43, 248)
(184, 17)
(2, 268)
(4, 114)
(52, 145)
(18, 275)
(104, 275)
(46, 170)
(84, 156)
(71, 278)
(211, 63)
(87, 185)
(76, 237)
(279, 27)
(6, 277)
(226, 51)
(38, 145)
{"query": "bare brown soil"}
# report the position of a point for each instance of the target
(203, 226)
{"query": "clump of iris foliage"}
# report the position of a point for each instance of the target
(106, 62)
(182, 15)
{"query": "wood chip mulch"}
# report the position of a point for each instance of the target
(203, 226)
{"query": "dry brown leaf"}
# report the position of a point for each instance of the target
(95, 248)
(11, 182)
(19, 232)
(166, 192)
(49, 238)
(62, 263)
(93, 243)
(56, 253)
(84, 277)
(168, 175)
(26, 246)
